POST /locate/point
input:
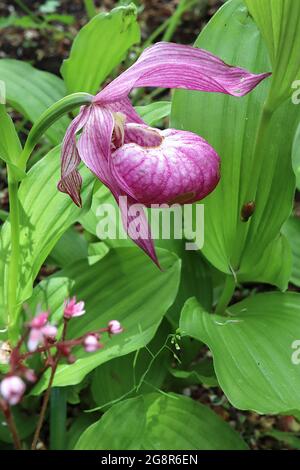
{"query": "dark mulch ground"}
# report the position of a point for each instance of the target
(45, 48)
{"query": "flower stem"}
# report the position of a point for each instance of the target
(11, 424)
(13, 276)
(226, 295)
(44, 408)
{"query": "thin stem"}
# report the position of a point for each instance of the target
(183, 6)
(44, 407)
(226, 296)
(11, 424)
(90, 8)
(48, 391)
(13, 277)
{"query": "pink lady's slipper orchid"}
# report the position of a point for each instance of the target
(147, 165)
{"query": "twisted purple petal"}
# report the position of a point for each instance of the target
(71, 180)
(170, 65)
(94, 148)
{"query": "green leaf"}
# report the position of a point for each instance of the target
(279, 23)
(252, 349)
(10, 146)
(126, 286)
(45, 215)
(230, 125)
(202, 373)
(24, 425)
(274, 267)
(288, 438)
(78, 426)
(296, 157)
(134, 373)
(195, 279)
(160, 422)
(154, 112)
(292, 231)
(31, 92)
(70, 247)
(121, 428)
(99, 47)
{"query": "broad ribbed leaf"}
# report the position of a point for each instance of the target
(296, 157)
(230, 125)
(10, 146)
(279, 23)
(135, 373)
(45, 215)
(252, 349)
(124, 286)
(160, 422)
(31, 92)
(99, 47)
(121, 428)
(292, 231)
(70, 246)
(153, 113)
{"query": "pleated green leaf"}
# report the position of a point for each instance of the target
(296, 157)
(124, 286)
(44, 216)
(10, 146)
(133, 374)
(279, 23)
(254, 166)
(292, 231)
(121, 428)
(252, 349)
(153, 113)
(160, 422)
(99, 47)
(31, 92)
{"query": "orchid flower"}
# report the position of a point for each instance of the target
(147, 165)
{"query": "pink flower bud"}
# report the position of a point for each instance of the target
(73, 309)
(91, 343)
(114, 327)
(40, 320)
(12, 389)
(29, 375)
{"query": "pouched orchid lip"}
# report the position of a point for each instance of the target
(114, 137)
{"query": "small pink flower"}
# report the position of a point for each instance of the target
(37, 335)
(40, 320)
(12, 389)
(114, 327)
(91, 343)
(73, 309)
